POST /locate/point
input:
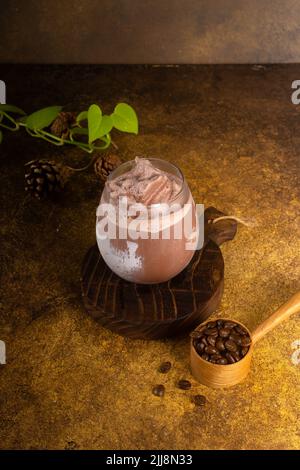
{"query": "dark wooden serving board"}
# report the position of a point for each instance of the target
(159, 310)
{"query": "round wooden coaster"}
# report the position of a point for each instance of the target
(159, 310)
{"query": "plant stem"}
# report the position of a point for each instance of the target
(40, 136)
(92, 160)
(55, 140)
(16, 125)
(54, 137)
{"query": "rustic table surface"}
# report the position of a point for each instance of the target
(68, 382)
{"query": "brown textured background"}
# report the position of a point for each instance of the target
(68, 382)
(150, 31)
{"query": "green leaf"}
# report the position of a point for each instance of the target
(125, 118)
(1, 136)
(82, 116)
(9, 108)
(94, 122)
(43, 118)
(105, 126)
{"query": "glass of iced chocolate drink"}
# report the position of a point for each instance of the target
(147, 226)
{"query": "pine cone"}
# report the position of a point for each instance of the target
(44, 177)
(61, 125)
(104, 165)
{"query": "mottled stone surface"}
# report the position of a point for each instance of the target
(69, 383)
(150, 31)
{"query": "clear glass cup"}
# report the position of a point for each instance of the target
(165, 239)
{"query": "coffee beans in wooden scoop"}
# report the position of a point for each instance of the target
(221, 342)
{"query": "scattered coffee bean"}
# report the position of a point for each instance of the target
(222, 342)
(158, 390)
(230, 345)
(224, 332)
(184, 384)
(199, 400)
(164, 367)
(211, 340)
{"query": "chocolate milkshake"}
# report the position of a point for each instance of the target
(150, 221)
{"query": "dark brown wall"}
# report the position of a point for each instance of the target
(150, 31)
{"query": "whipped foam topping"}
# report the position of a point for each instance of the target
(145, 184)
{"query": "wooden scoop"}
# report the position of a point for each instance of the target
(219, 376)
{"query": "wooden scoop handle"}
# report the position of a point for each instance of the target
(284, 312)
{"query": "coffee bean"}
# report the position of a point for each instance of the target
(230, 345)
(211, 350)
(229, 324)
(199, 400)
(158, 390)
(230, 358)
(246, 341)
(199, 347)
(224, 332)
(220, 344)
(240, 330)
(215, 358)
(211, 340)
(165, 367)
(205, 356)
(211, 332)
(236, 338)
(236, 355)
(184, 384)
(197, 342)
(223, 361)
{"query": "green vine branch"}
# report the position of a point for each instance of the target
(89, 130)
